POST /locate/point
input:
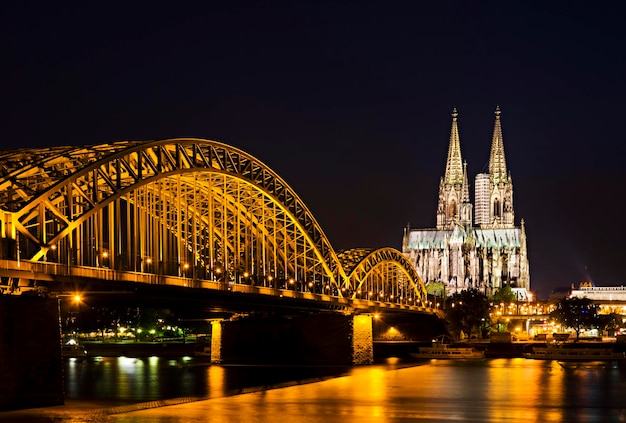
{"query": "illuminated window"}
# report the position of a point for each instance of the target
(452, 208)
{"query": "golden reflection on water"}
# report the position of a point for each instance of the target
(533, 384)
(216, 381)
(492, 390)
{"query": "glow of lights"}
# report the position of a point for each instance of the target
(149, 260)
(77, 298)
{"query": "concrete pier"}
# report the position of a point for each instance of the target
(31, 366)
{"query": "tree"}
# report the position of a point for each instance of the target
(435, 288)
(467, 310)
(610, 322)
(576, 313)
(505, 295)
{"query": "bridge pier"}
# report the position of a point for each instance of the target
(312, 339)
(31, 365)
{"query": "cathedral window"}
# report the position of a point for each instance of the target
(452, 208)
(496, 208)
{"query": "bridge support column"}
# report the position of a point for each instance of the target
(31, 367)
(362, 340)
(216, 341)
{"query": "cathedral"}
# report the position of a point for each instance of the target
(474, 245)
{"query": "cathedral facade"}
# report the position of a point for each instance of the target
(474, 245)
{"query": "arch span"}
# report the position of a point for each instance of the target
(382, 274)
(185, 207)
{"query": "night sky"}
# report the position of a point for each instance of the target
(350, 103)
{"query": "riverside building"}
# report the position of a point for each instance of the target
(474, 244)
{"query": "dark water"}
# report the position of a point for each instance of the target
(122, 380)
(189, 390)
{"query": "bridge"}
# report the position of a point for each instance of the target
(196, 218)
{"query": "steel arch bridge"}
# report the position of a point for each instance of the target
(183, 207)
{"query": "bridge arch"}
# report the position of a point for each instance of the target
(184, 207)
(382, 274)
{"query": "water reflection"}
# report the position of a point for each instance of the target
(492, 390)
(123, 380)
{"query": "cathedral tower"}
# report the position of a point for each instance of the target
(488, 255)
(454, 206)
(494, 191)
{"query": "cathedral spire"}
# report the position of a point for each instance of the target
(465, 209)
(465, 198)
(454, 164)
(497, 162)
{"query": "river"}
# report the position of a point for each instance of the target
(156, 389)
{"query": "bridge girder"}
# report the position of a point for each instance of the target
(184, 206)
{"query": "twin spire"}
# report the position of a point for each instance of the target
(497, 162)
(456, 168)
(494, 194)
(454, 164)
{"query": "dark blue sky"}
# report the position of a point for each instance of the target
(350, 102)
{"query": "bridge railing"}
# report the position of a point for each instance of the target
(47, 271)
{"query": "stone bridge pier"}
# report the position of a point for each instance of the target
(31, 371)
(307, 339)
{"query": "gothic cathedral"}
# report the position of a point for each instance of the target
(486, 254)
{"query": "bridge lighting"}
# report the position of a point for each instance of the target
(269, 278)
(186, 266)
(53, 247)
(291, 281)
(246, 274)
(77, 298)
(105, 254)
(148, 260)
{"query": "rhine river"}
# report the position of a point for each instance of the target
(120, 389)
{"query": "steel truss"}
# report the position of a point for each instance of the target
(182, 207)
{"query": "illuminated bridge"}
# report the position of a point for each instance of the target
(187, 213)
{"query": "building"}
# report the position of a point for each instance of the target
(474, 245)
